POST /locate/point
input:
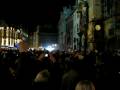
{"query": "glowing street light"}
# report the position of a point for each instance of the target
(98, 27)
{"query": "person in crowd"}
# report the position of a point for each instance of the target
(41, 80)
(85, 85)
(25, 68)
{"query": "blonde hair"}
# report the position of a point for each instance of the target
(85, 85)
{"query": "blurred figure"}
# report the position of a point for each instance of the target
(41, 80)
(69, 80)
(85, 85)
(26, 67)
(42, 76)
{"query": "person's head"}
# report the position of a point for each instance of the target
(85, 85)
(42, 76)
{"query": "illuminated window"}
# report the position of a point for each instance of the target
(7, 28)
(11, 28)
(7, 32)
(7, 42)
(18, 40)
(2, 32)
(10, 42)
(2, 27)
(2, 42)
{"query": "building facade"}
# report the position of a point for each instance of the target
(69, 33)
(95, 18)
(10, 36)
(103, 28)
(76, 28)
(83, 23)
(34, 39)
(96, 22)
(62, 34)
(111, 15)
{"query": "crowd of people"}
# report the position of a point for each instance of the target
(58, 70)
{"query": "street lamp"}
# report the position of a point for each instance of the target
(99, 35)
(98, 27)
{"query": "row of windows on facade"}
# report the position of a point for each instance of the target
(9, 32)
(6, 28)
(109, 8)
(8, 42)
(9, 36)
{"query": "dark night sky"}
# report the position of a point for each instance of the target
(29, 14)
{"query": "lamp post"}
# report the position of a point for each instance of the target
(99, 35)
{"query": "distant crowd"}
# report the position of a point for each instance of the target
(44, 70)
